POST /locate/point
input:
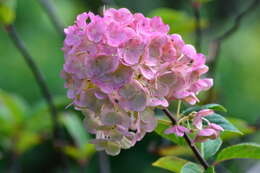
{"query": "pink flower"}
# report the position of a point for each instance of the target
(210, 132)
(197, 121)
(177, 129)
(120, 66)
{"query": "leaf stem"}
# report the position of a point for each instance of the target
(178, 109)
(193, 147)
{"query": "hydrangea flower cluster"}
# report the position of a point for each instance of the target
(203, 132)
(120, 66)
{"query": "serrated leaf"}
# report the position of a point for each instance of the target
(192, 168)
(213, 106)
(162, 126)
(170, 163)
(210, 147)
(224, 123)
(239, 151)
(75, 127)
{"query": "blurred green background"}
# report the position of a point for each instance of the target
(237, 83)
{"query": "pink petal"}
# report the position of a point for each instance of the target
(205, 112)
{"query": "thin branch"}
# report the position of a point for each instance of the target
(48, 7)
(41, 83)
(215, 45)
(103, 162)
(36, 73)
(196, 12)
(193, 147)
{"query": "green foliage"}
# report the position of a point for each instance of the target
(175, 150)
(210, 170)
(15, 117)
(239, 124)
(179, 21)
(191, 167)
(224, 123)
(242, 151)
(162, 126)
(170, 163)
(7, 11)
(82, 154)
(74, 126)
(213, 106)
(210, 147)
(23, 127)
(177, 165)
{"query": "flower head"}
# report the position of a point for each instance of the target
(120, 66)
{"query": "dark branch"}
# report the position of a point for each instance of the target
(215, 45)
(42, 85)
(47, 6)
(36, 73)
(103, 162)
(196, 12)
(193, 147)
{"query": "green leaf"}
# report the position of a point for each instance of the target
(7, 11)
(13, 111)
(210, 170)
(162, 126)
(75, 127)
(191, 167)
(225, 124)
(26, 141)
(175, 150)
(12, 108)
(170, 163)
(82, 154)
(239, 151)
(179, 21)
(241, 125)
(211, 147)
(213, 106)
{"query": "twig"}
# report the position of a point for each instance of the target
(46, 4)
(103, 162)
(41, 83)
(37, 74)
(215, 46)
(193, 147)
(196, 12)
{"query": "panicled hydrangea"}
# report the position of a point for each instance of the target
(120, 66)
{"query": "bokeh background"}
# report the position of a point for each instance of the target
(25, 125)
